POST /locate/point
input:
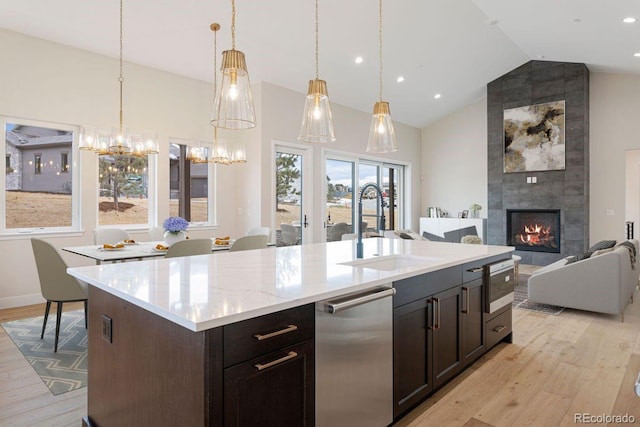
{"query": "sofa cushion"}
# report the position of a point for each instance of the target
(602, 244)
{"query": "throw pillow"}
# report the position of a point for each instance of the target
(603, 244)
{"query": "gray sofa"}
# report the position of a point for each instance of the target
(604, 282)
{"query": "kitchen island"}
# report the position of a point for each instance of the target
(165, 335)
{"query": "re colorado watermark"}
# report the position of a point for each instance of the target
(587, 418)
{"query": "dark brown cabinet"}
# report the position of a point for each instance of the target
(269, 366)
(412, 342)
(272, 390)
(426, 321)
(446, 327)
(473, 337)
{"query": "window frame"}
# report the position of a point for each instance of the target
(75, 226)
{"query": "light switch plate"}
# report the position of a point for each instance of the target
(528, 180)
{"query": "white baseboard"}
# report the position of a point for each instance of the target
(20, 301)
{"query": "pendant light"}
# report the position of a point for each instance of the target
(233, 106)
(382, 138)
(219, 153)
(119, 141)
(317, 122)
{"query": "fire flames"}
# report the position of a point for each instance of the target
(535, 235)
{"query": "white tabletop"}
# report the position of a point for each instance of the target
(139, 250)
(206, 291)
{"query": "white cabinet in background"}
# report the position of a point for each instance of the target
(453, 229)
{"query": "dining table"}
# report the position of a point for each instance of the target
(129, 252)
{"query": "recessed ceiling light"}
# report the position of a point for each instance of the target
(629, 20)
(437, 96)
(400, 79)
(359, 59)
(637, 54)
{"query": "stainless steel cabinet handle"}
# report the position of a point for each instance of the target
(289, 356)
(436, 313)
(475, 270)
(465, 295)
(499, 328)
(341, 306)
(289, 328)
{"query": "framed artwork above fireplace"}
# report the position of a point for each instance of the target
(534, 138)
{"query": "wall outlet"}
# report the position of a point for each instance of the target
(107, 328)
(534, 179)
(610, 212)
(528, 180)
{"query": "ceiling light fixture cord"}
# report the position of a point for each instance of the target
(233, 25)
(215, 79)
(317, 67)
(380, 44)
(121, 78)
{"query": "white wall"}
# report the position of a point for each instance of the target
(44, 81)
(50, 82)
(454, 161)
(632, 189)
(615, 109)
(282, 124)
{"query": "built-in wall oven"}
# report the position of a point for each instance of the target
(500, 284)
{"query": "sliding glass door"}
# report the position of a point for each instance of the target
(346, 177)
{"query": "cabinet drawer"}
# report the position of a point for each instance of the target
(254, 337)
(498, 328)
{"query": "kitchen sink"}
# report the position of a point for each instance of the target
(392, 262)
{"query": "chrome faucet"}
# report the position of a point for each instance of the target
(381, 216)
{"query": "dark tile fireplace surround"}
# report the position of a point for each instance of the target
(564, 192)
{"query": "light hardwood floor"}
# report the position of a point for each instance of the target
(557, 366)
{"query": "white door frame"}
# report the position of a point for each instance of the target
(307, 200)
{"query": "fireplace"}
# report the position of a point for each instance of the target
(535, 230)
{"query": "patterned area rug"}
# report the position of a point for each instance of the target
(521, 299)
(65, 370)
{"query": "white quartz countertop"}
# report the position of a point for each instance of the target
(206, 291)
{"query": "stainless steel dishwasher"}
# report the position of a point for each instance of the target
(354, 359)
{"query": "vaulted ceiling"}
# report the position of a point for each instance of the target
(452, 47)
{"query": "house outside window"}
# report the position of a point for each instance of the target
(36, 197)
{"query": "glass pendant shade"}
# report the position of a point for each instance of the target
(120, 140)
(382, 137)
(88, 138)
(219, 153)
(104, 140)
(238, 153)
(197, 154)
(233, 106)
(151, 145)
(137, 145)
(317, 122)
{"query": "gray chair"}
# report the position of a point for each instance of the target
(259, 241)
(290, 234)
(55, 284)
(190, 247)
(110, 235)
(335, 233)
(155, 234)
(256, 231)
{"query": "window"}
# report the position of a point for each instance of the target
(36, 195)
(37, 162)
(64, 162)
(347, 176)
(188, 185)
(124, 190)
